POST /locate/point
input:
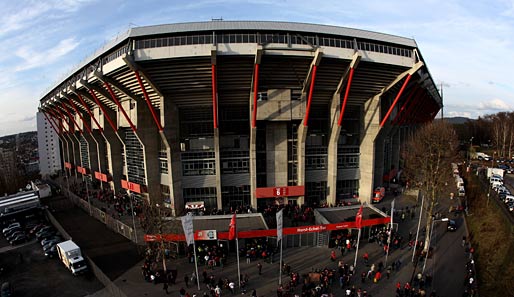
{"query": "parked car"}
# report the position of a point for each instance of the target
(19, 239)
(57, 238)
(13, 235)
(46, 234)
(44, 230)
(48, 246)
(36, 229)
(452, 226)
(52, 252)
(10, 226)
(51, 242)
(11, 231)
(6, 290)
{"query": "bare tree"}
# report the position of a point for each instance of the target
(428, 158)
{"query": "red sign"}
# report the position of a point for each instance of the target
(82, 170)
(286, 191)
(273, 232)
(103, 177)
(132, 186)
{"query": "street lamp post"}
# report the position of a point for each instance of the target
(430, 240)
(470, 147)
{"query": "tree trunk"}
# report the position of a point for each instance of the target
(428, 225)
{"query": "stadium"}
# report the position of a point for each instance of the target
(223, 114)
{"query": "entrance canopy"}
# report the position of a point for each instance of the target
(195, 205)
(253, 225)
(335, 215)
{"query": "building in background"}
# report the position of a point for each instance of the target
(48, 147)
(225, 113)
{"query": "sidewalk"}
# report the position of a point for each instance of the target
(306, 259)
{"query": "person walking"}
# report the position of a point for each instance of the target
(259, 267)
(165, 287)
(186, 280)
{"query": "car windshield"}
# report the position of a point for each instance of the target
(79, 264)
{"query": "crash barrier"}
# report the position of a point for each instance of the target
(57, 225)
(101, 216)
(109, 285)
(114, 290)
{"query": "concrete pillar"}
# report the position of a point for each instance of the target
(148, 134)
(302, 136)
(335, 131)
(115, 150)
(370, 129)
(253, 167)
(171, 132)
(218, 167)
(94, 160)
(276, 154)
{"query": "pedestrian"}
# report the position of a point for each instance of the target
(186, 280)
(259, 267)
(165, 287)
(463, 240)
(366, 258)
(254, 293)
(388, 271)
(232, 287)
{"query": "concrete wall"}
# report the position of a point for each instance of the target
(280, 107)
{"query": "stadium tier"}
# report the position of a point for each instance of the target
(223, 114)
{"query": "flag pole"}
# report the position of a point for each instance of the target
(390, 232)
(238, 267)
(196, 266)
(280, 265)
(358, 223)
(357, 251)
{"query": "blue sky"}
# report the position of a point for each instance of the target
(468, 45)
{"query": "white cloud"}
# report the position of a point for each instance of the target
(464, 114)
(495, 104)
(33, 58)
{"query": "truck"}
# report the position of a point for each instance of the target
(70, 254)
(497, 171)
(482, 156)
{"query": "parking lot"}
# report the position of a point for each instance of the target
(31, 273)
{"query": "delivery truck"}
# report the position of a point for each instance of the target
(70, 254)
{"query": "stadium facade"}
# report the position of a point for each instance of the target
(228, 113)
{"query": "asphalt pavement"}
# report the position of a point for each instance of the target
(447, 265)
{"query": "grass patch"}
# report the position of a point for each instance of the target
(493, 239)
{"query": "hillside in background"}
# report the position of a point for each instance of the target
(458, 120)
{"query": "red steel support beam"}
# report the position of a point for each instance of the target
(420, 106)
(215, 97)
(406, 118)
(63, 118)
(119, 106)
(147, 99)
(81, 117)
(71, 116)
(255, 90)
(309, 100)
(89, 112)
(386, 117)
(92, 92)
(59, 120)
(51, 123)
(399, 115)
(346, 93)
